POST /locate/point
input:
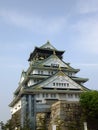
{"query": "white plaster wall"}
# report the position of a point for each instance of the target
(67, 97)
(35, 71)
(72, 98)
(31, 82)
(73, 74)
(55, 61)
(61, 79)
(43, 99)
(45, 72)
(16, 107)
(22, 78)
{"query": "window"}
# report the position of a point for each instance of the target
(67, 84)
(53, 95)
(62, 95)
(56, 84)
(76, 95)
(46, 94)
(38, 95)
(38, 71)
(41, 72)
(53, 84)
(59, 84)
(18, 105)
(36, 80)
(62, 84)
(43, 94)
(51, 72)
(38, 101)
(55, 65)
(70, 95)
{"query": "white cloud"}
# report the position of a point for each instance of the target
(34, 23)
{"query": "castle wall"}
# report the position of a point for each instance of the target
(66, 115)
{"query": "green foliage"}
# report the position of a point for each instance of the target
(89, 104)
(2, 125)
(6, 126)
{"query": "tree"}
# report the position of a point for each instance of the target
(6, 126)
(2, 125)
(89, 103)
(89, 106)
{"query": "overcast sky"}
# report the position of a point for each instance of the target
(70, 25)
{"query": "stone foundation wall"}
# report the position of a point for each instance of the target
(65, 115)
(42, 121)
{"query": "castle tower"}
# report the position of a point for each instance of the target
(47, 80)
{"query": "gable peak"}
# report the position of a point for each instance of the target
(48, 45)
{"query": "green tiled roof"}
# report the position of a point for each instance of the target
(48, 46)
(80, 79)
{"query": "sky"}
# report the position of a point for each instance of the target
(70, 25)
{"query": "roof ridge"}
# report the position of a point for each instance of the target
(48, 45)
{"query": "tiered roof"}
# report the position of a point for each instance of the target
(45, 51)
(48, 57)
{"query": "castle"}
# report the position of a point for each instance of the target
(46, 89)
